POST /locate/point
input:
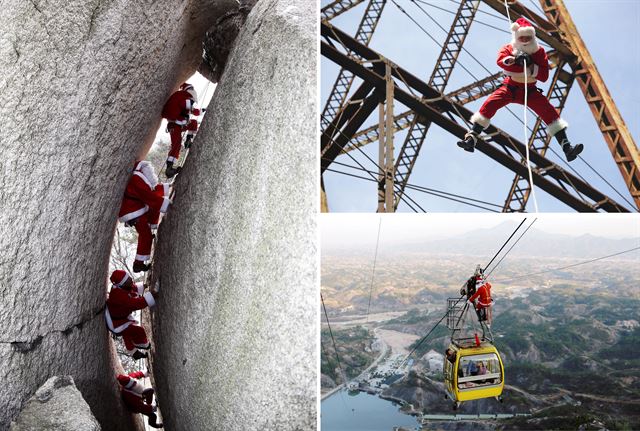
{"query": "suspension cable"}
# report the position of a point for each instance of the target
(424, 189)
(335, 348)
(567, 266)
(514, 244)
(373, 272)
(503, 245)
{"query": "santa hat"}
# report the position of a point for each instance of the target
(146, 168)
(522, 27)
(119, 277)
(189, 89)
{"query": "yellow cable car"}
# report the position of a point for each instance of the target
(476, 372)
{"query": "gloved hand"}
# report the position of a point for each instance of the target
(195, 111)
(522, 57)
(192, 125)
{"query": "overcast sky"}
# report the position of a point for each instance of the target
(337, 230)
(609, 29)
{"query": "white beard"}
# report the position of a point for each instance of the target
(147, 170)
(529, 48)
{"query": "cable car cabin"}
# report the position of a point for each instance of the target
(477, 372)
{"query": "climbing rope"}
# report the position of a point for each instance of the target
(526, 139)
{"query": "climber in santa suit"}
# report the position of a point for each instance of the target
(124, 298)
(137, 398)
(177, 111)
(523, 49)
(144, 199)
(483, 296)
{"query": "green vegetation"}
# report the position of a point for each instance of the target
(354, 350)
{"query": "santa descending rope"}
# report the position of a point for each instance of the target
(523, 49)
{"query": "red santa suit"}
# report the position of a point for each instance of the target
(483, 297)
(137, 398)
(177, 110)
(121, 302)
(512, 90)
(144, 200)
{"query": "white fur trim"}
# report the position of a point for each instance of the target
(515, 26)
(525, 31)
(150, 299)
(130, 384)
(480, 119)
(143, 257)
(119, 329)
(556, 126)
(123, 281)
(137, 213)
(146, 169)
(193, 94)
(139, 287)
(153, 226)
(171, 159)
(166, 189)
(511, 59)
(165, 205)
(143, 345)
(181, 122)
(188, 104)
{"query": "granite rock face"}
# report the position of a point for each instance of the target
(56, 405)
(235, 327)
(82, 84)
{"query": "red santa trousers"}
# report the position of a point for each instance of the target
(515, 94)
(145, 237)
(162, 190)
(137, 404)
(175, 132)
(135, 336)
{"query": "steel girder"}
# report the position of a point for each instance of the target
(439, 78)
(609, 120)
(501, 147)
(337, 7)
(463, 95)
(344, 80)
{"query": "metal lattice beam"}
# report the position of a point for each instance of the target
(337, 7)
(439, 78)
(344, 80)
(502, 147)
(463, 95)
(609, 120)
(539, 140)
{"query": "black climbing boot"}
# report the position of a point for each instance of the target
(469, 142)
(170, 171)
(570, 151)
(471, 138)
(187, 141)
(139, 355)
(153, 421)
(140, 266)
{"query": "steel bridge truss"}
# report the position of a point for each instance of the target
(430, 105)
(342, 118)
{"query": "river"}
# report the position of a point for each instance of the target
(362, 412)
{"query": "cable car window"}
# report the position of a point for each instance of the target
(479, 370)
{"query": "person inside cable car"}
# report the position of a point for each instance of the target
(451, 355)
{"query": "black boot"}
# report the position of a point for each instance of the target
(171, 171)
(139, 355)
(153, 421)
(570, 151)
(188, 140)
(471, 138)
(140, 266)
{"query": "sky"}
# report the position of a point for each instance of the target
(605, 26)
(338, 230)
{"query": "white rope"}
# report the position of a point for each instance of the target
(526, 139)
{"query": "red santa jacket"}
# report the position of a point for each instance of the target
(506, 59)
(483, 294)
(121, 303)
(143, 192)
(178, 108)
(133, 392)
